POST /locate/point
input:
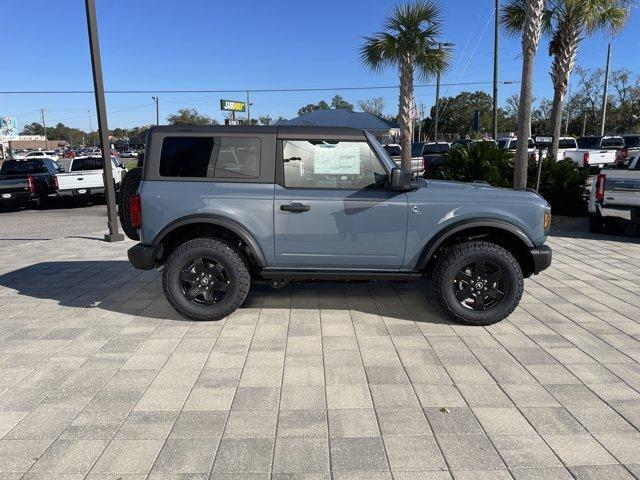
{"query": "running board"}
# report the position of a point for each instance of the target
(336, 275)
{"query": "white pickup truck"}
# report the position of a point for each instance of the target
(614, 200)
(595, 151)
(84, 179)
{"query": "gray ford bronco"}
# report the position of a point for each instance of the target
(221, 207)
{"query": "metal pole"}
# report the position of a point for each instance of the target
(90, 126)
(435, 120)
(98, 87)
(604, 94)
(539, 173)
(157, 100)
(44, 127)
(584, 123)
(495, 70)
(248, 109)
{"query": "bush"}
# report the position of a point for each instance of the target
(480, 161)
(562, 184)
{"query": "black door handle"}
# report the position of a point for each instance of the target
(295, 207)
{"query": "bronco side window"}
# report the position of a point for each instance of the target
(210, 157)
(331, 164)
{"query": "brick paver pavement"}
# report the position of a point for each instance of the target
(100, 379)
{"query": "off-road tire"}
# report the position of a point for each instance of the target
(128, 187)
(462, 254)
(234, 265)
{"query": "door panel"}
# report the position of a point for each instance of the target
(340, 228)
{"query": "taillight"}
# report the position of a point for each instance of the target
(585, 159)
(32, 184)
(600, 187)
(624, 153)
(56, 185)
(135, 208)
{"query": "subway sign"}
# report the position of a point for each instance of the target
(232, 105)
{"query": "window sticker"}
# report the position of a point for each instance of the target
(341, 159)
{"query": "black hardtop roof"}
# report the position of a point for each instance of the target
(282, 131)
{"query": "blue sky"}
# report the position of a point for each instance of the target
(244, 44)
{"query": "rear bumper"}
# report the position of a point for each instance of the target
(541, 258)
(142, 257)
(16, 197)
(627, 213)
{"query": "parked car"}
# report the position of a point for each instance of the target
(510, 144)
(395, 152)
(129, 154)
(631, 147)
(219, 207)
(432, 155)
(31, 180)
(84, 179)
(614, 200)
(69, 153)
(33, 154)
(595, 152)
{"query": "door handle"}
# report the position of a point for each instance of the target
(295, 207)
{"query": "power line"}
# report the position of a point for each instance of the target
(258, 90)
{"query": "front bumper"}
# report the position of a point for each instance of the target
(142, 257)
(541, 258)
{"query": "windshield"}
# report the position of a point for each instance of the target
(504, 143)
(436, 148)
(416, 149)
(15, 167)
(589, 142)
(393, 150)
(632, 141)
(381, 152)
(567, 143)
(616, 142)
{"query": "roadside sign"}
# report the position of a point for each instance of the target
(232, 105)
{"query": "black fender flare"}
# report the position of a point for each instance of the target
(437, 240)
(219, 221)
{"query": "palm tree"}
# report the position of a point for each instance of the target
(530, 15)
(568, 22)
(408, 42)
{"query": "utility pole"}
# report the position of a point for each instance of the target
(437, 113)
(157, 100)
(90, 127)
(248, 109)
(98, 87)
(44, 127)
(584, 123)
(495, 70)
(604, 94)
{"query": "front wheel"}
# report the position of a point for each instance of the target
(478, 283)
(206, 279)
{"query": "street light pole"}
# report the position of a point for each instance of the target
(157, 100)
(604, 94)
(44, 127)
(98, 87)
(495, 70)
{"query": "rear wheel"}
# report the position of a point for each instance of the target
(128, 187)
(206, 279)
(478, 283)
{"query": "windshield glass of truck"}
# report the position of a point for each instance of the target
(416, 149)
(567, 143)
(393, 150)
(82, 164)
(616, 142)
(632, 141)
(436, 148)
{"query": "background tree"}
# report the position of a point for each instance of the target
(339, 102)
(312, 107)
(568, 22)
(33, 128)
(408, 42)
(190, 116)
(456, 113)
(374, 106)
(265, 120)
(529, 13)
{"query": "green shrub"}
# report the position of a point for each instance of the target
(562, 184)
(480, 161)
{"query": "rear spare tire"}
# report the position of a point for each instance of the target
(128, 187)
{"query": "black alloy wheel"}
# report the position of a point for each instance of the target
(203, 281)
(480, 285)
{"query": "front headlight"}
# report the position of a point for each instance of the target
(547, 220)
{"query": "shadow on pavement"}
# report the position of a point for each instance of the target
(115, 286)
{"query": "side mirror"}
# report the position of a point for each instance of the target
(403, 181)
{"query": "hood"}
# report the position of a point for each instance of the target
(482, 192)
